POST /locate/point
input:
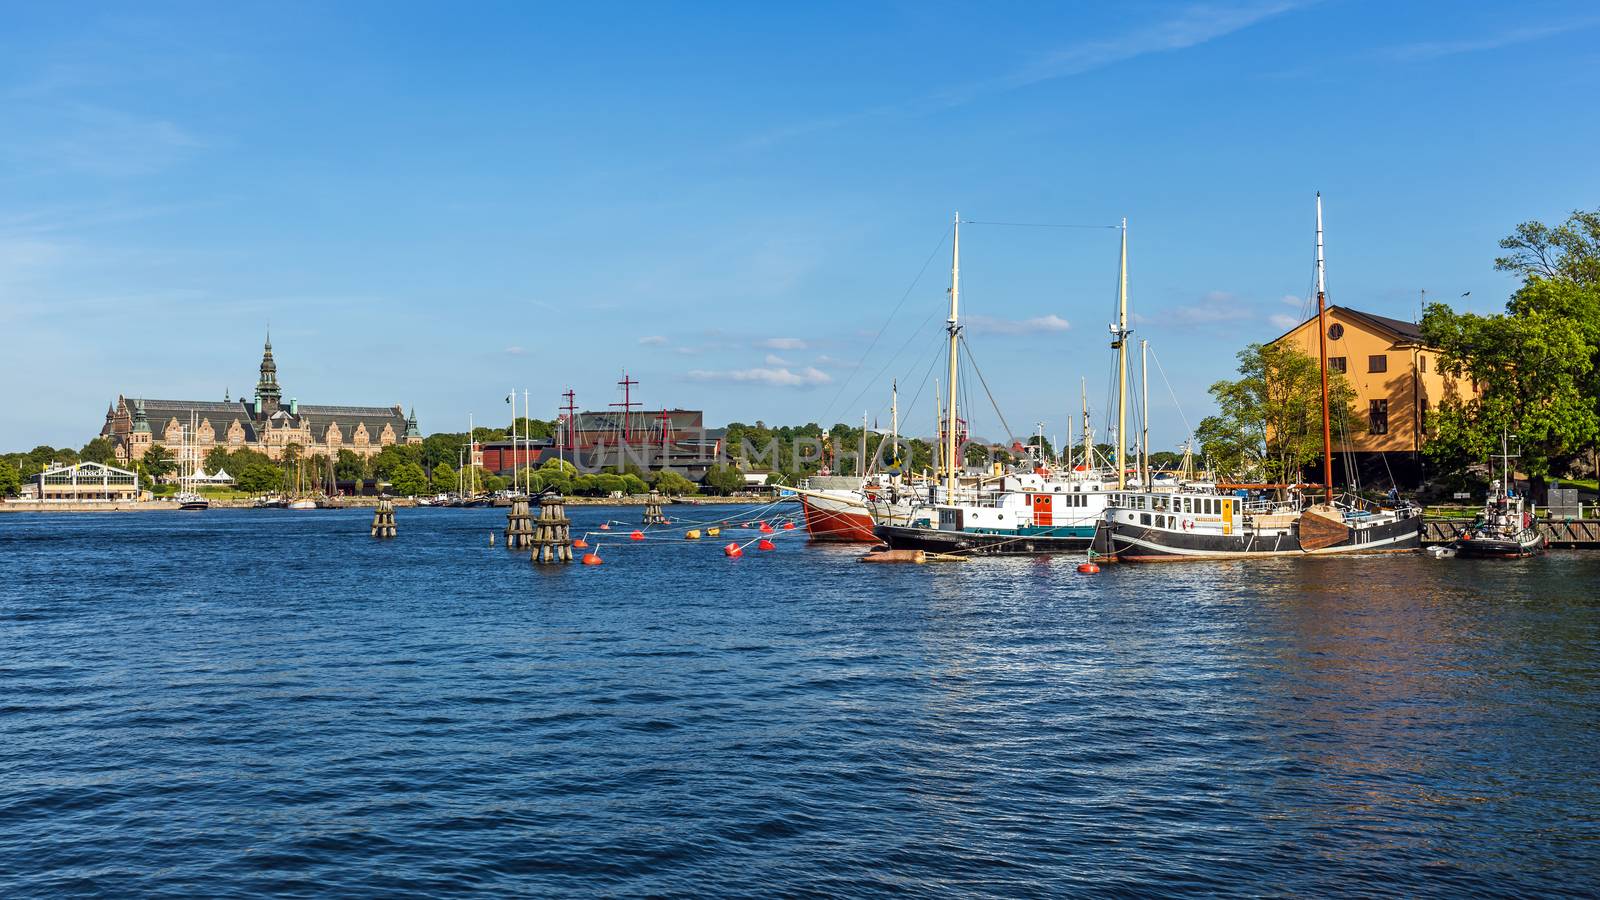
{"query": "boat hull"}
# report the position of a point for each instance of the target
(973, 543)
(1497, 548)
(829, 519)
(1128, 542)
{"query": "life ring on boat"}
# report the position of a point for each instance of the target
(1188, 524)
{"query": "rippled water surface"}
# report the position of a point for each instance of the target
(243, 702)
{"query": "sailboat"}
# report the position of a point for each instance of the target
(188, 497)
(1016, 513)
(1194, 522)
(1505, 530)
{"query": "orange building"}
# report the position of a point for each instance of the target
(1396, 379)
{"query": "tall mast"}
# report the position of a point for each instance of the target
(1144, 413)
(861, 461)
(894, 422)
(938, 423)
(1322, 345)
(1122, 358)
(954, 327)
(1088, 445)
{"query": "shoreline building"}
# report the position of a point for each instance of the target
(1397, 382)
(263, 423)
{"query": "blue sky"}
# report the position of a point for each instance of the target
(434, 204)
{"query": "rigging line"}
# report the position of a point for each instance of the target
(892, 313)
(1035, 224)
(924, 383)
(985, 383)
(1173, 394)
(877, 377)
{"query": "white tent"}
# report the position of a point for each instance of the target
(221, 477)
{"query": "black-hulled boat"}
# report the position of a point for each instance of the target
(1505, 530)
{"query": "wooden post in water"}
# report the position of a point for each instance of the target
(519, 525)
(383, 519)
(552, 532)
(652, 510)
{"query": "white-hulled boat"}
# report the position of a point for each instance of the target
(1208, 523)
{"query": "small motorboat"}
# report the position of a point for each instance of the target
(1504, 530)
(191, 500)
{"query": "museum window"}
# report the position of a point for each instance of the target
(1336, 364)
(1378, 362)
(1378, 415)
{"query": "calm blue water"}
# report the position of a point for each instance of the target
(243, 702)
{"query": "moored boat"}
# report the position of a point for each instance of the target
(1208, 523)
(1505, 529)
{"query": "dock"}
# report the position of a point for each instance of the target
(1570, 534)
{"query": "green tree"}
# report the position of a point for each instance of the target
(1535, 371)
(99, 450)
(10, 479)
(217, 459)
(350, 466)
(409, 480)
(444, 477)
(673, 484)
(633, 484)
(724, 480)
(157, 462)
(1568, 252)
(1269, 421)
(259, 478)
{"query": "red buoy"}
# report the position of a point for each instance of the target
(767, 529)
(605, 526)
(733, 551)
(581, 544)
(591, 559)
(1088, 568)
(788, 526)
(637, 535)
(766, 545)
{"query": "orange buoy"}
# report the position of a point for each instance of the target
(788, 526)
(605, 526)
(591, 559)
(637, 535)
(666, 521)
(581, 544)
(733, 551)
(1088, 568)
(766, 545)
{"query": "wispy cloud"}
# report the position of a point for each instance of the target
(1283, 320)
(1215, 308)
(515, 351)
(1036, 325)
(1190, 26)
(1426, 50)
(774, 359)
(653, 340)
(772, 377)
(783, 343)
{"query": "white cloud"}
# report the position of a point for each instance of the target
(774, 359)
(784, 343)
(1216, 307)
(653, 340)
(1283, 320)
(774, 377)
(1426, 50)
(515, 351)
(1291, 300)
(835, 362)
(1193, 25)
(990, 325)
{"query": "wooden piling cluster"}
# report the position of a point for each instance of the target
(552, 532)
(652, 510)
(519, 525)
(383, 519)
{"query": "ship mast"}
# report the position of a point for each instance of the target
(1088, 441)
(1119, 343)
(954, 327)
(1322, 344)
(894, 423)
